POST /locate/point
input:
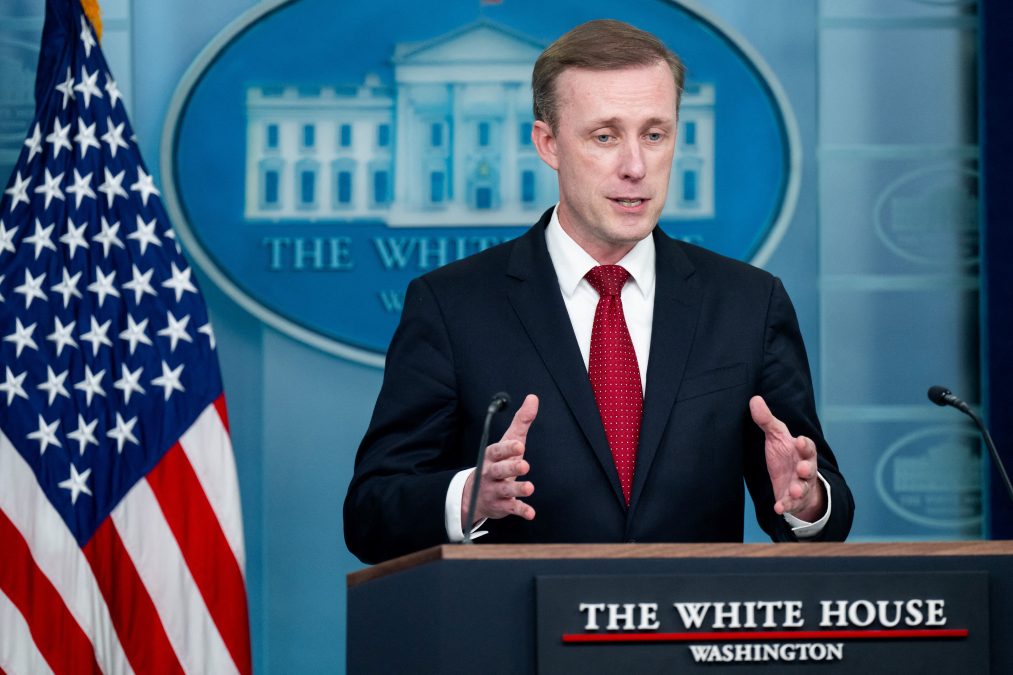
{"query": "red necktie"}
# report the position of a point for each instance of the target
(615, 376)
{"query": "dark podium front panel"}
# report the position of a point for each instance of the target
(697, 608)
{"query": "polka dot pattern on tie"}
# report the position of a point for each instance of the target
(614, 373)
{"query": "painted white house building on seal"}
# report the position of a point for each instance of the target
(448, 143)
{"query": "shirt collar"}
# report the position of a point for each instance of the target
(572, 262)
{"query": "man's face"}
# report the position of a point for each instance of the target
(613, 153)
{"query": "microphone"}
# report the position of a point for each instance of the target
(942, 396)
(499, 401)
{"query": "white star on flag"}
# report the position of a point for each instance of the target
(114, 138)
(13, 386)
(107, 237)
(88, 86)
(51, 188)
(32, 288)
(62, 335)
(19, 191)
(144, 185)
(91, 385)
(45, 435)
(68, 287)
(128, 382)
(207, 330)
(145, 234)
(75, 234)
(87, 39)
(59, 138)
(34, 142)
(42, 238)
(54, 384)
(86, 137)
(180, 282)
(123, 432)
(176, 330)
(22, 336)
(97, 335)
(104, 285)
(81, 189)
(169, 379)
(77, 483)
(140, 283)
(135, 333)
(112, 90)
(7, 237)
(84, 434)
(67, 88)
(111, 187)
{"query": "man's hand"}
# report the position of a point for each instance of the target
(500, 492)
(791, 463)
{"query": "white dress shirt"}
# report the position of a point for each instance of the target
(571, 263)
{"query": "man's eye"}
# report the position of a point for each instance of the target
(603, 138)
(654, 137)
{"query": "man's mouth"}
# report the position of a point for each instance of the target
(629, 202)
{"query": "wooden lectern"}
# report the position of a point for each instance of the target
(864, 608)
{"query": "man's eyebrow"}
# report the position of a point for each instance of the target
(615, 122)
(609, 122)
(661, 122)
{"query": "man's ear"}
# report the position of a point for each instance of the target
(545, 143)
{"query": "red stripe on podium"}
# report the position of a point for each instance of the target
(899, 634)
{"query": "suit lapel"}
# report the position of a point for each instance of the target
(676, 313)
(535, 296)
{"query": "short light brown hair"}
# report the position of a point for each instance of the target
(602, 44)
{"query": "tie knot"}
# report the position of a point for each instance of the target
(607, 279)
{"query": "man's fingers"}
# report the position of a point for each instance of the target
(795, 495)
(509, 468)
(800, 495)
(514, 489)
(504, 450)
(525, 415)
(760, 412)
(500, 494)
(764, 418)
(806, 448)
(806, 469)
(504, 499)
(523, 510)
(516, 507)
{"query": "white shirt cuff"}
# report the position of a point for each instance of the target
(452, 508)
(801, 528)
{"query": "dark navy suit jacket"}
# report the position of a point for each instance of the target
(722, 332)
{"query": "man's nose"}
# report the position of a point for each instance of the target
(632, 165)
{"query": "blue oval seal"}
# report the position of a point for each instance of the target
(930, 216)
(317, 156)
(932, 477)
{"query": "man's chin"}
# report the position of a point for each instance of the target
(630, 236)
(634, 228)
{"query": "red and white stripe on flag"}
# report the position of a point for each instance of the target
(121, 542)
(158, 589)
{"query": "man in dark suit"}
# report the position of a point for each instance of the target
(645, 403)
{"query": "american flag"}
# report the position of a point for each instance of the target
(121, 545)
